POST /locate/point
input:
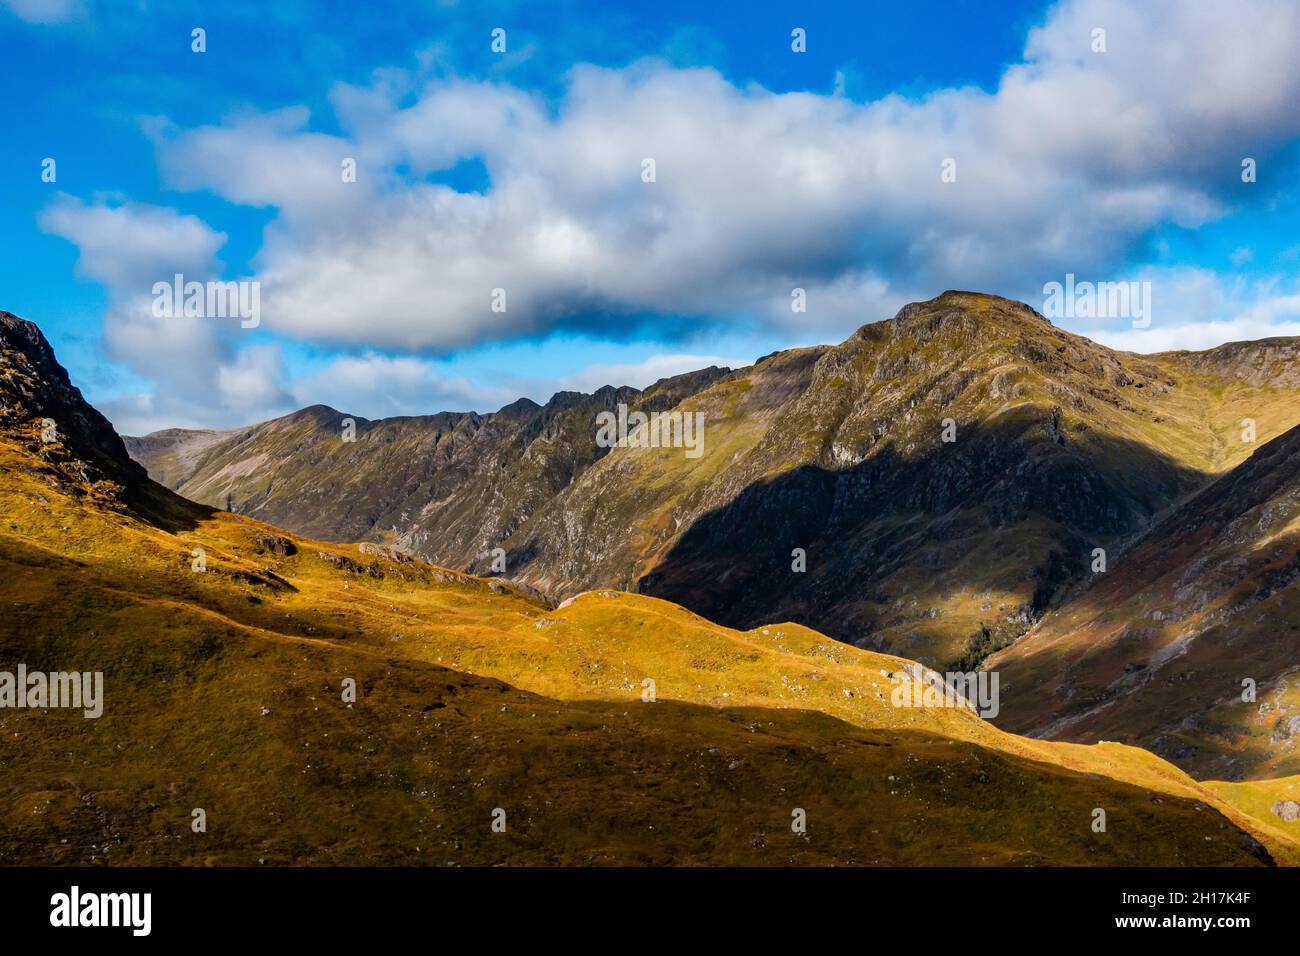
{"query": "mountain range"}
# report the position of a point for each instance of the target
(963, 481)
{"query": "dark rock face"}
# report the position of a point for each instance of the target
(866, 525)
(267, 542)
(35, 387)
(81, 452)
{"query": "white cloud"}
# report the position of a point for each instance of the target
(1074, 157)
(130, 246)
(267, 159)
(644, 373)
(1195, 336)
(379, 386)
(202, 376)
(207, 374)
(251, 381)
(1198, 309)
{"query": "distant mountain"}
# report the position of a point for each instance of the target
(1158, 650)
(939, 550)
(346, 704)
(449, 486)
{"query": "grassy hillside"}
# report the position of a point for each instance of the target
(1261, 800)
(223, 692)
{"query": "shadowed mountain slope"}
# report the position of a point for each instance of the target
(1156, 650)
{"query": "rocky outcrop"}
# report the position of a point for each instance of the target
(41, 405)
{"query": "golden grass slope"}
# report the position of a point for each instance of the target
(223, 693)
(1257, 799)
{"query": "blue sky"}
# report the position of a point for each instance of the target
(523, 170)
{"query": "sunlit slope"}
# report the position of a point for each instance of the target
(223, 692)
(1232, 389)
(447, 486)
(1262, 800)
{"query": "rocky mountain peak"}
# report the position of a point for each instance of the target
(40, 405)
